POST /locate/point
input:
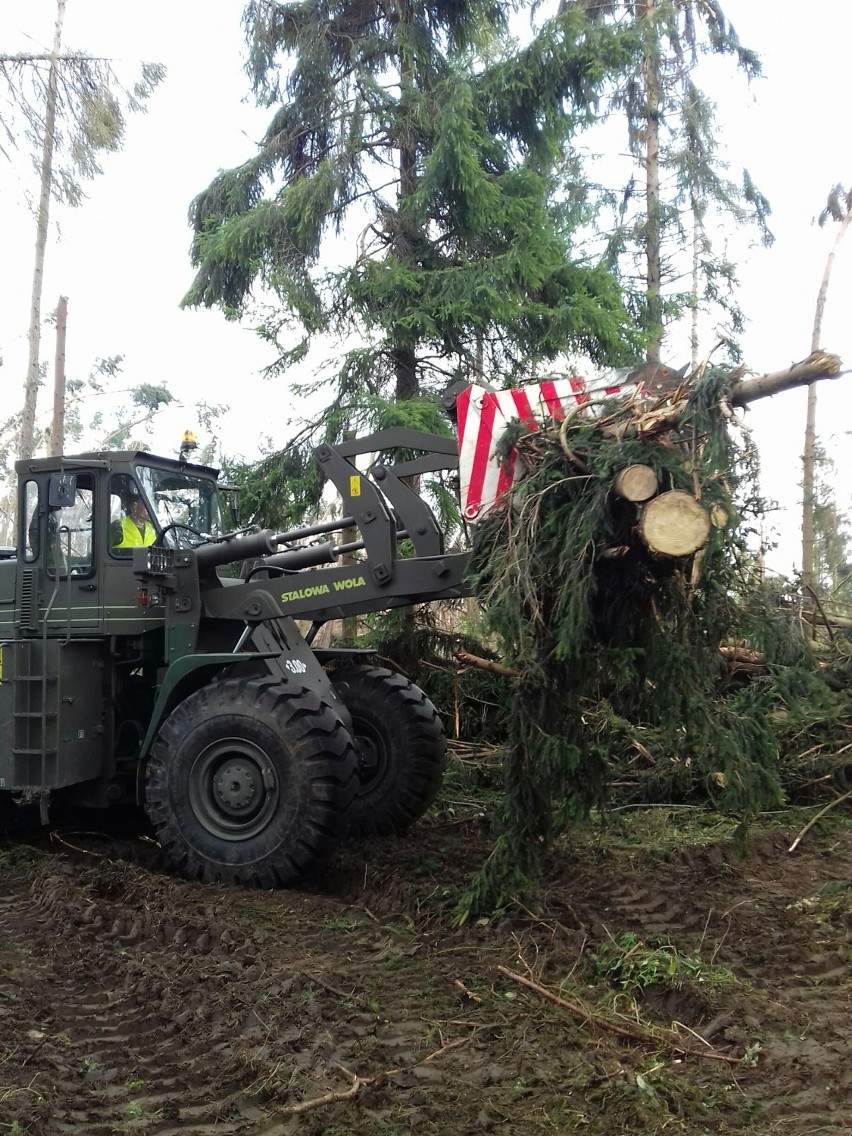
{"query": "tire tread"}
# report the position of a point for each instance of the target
(330, 766)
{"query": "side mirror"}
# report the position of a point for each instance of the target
(229, 496)
(62, 490)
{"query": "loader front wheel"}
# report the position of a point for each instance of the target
(401, 749)
(249, 782)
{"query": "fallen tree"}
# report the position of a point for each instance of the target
(819, 365)
(611, 576)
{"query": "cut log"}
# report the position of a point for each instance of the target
(818, 619)
(674, 524)
(818, 366)
(636, 483)
(719, 517)
(742, 659)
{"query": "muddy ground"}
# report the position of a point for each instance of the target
(700, 992)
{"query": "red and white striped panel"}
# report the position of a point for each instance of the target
(483, 416)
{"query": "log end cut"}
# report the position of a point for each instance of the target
(636, 483)
(674, 524)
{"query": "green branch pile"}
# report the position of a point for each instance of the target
(617, 650)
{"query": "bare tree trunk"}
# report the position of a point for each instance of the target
(818, 366)
(808, 497)
(57, 429)
(25, 443)
(403, 353)
(653, 228)
(700, 247)
(808, 458)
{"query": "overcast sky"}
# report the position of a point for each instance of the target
(122, 259)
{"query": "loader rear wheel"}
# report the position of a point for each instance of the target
(249, 782)
(401, 749)
(11, 816)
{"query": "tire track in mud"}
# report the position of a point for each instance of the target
(114, 1050)
(138, 1003)
(789, 975)
(811, 1086)
(172, 1012)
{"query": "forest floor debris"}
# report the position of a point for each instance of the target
(134, 1002)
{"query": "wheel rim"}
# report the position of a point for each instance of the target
(372, 751)
(233, 789)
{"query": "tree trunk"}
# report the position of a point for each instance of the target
(808, 463)
(405, 369)
(809, 580)
(700, 246)
(661, 418)
(653, 229)
(25, 443)
(820, 365)
(57, 429)
(403, 353)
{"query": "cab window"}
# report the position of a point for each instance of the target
(186, 504)
(30, 537)
(68, 532)
(130, 522)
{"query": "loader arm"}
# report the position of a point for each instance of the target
(307, 580)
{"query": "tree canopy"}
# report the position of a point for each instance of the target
(430, 147)
(675, 208)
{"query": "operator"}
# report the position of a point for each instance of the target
(134, 528)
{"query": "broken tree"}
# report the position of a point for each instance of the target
(611, 575)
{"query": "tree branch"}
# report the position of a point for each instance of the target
(831, 805)
(470, 660)
(359, 1083)
(48, 57)
(585, 1013)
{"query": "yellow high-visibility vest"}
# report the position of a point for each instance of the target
(131, 537)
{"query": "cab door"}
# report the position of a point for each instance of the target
(121, 610)
(60, 541)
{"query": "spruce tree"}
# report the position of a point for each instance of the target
(680, 189)
(418, 127)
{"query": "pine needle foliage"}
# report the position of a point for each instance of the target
(679, 198)
(429, 145)
(619, 655)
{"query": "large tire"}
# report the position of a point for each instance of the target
(401, 749)
(11, 814)
(249, 782)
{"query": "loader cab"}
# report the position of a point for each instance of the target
(79, 520)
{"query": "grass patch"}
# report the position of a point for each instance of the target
(630, 963)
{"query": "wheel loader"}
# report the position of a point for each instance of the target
(137, 664)
(151, 652)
